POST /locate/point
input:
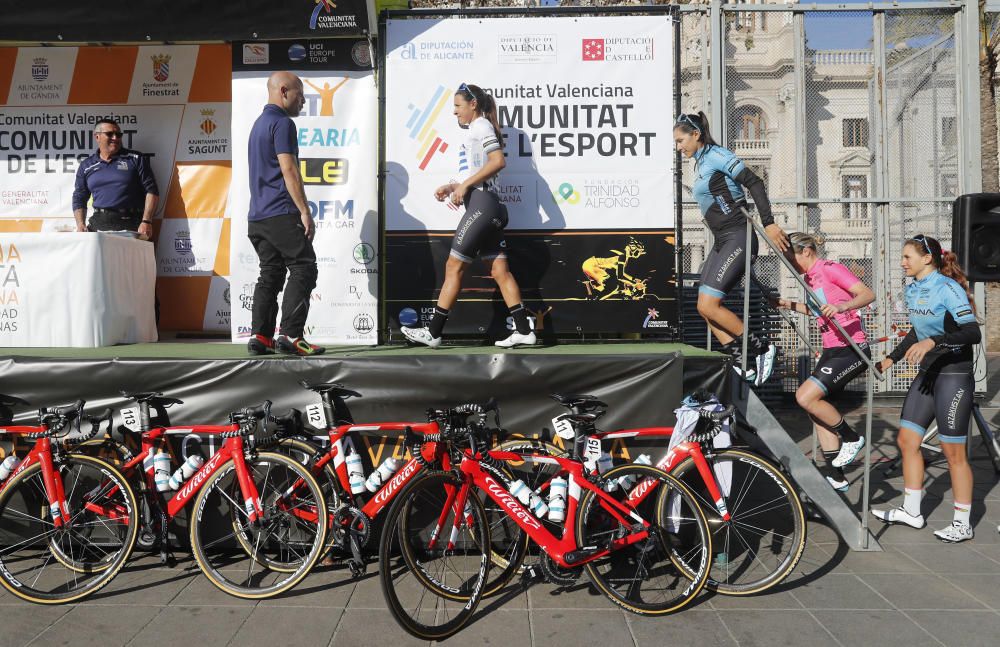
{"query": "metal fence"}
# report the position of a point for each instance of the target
(852, 118)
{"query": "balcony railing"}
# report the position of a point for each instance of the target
(843, 57)
(751, 146)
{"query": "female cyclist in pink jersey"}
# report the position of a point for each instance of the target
(841, 294)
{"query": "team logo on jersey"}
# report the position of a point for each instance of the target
(161, 67)
(40, 68)
(420, 126)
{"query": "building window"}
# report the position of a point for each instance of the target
(856, 133)
(855, 188)
(748, 124)
(750, 21)
(949, 132)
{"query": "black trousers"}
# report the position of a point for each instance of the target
(282, 246)
(114, 220)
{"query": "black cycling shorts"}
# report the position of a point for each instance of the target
(480, 232)
(944, 397)
(726, 262)
(838, 366)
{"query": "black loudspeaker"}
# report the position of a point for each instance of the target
(975, 235)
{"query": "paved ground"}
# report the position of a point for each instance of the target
(917, 592)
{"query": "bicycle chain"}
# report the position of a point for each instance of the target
(556, 574)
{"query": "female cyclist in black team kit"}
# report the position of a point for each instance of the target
(940, 344)
(719, 174)
(480, 232)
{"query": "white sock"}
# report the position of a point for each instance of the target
(911, 501)
(962, 511)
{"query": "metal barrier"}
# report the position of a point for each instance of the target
(807, 480)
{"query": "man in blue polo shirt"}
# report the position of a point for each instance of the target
(280, 226)
(122, 183)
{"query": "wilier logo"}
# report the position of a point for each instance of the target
(207, 124)
(40, 69)
(161, 67)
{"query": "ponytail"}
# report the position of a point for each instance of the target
(949, 267)
(486, 105)
(689, 123)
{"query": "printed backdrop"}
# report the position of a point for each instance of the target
(338, 144)
(585, 107)
(173, 104)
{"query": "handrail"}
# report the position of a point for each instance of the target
(753, 225)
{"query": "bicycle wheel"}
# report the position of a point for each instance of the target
(302, 452)
(645, 577)
(765, 537)
(48, 565)
(417, 563)
(283, 545)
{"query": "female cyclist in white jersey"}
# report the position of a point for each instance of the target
(480, 232)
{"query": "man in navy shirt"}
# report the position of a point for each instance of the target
(280, 226)
(123, 186)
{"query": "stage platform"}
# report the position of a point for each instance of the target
(171, 350)
(642, 383)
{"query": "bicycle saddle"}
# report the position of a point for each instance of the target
(9, 401)
(333, 388)
(152, 397)
(584, 402)
(583, 417)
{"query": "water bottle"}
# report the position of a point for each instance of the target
(521, 491)
(186, 471)
(558, 488)
(382, 474)
(161, 471)
(355, 472)
(537, 505)
(9, 465)
(628, 480)
(529, 498)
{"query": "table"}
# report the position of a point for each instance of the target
(76, 289)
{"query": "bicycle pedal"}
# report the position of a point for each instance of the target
(532, 573)
(167, 559)
(357, 568)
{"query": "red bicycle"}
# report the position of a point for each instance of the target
(67, 522)
(434, 555)
(256, 526)
(353, 510)
(757, 520)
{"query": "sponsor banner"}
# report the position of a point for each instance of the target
(304, 54)
(187, 247)
(587, 134)
(185, 21)
(42, 76)
(337, 136)
(205, 133)
(40, 151)
(218, 309)
(163, 74)
(609, 281)
(170, 107)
